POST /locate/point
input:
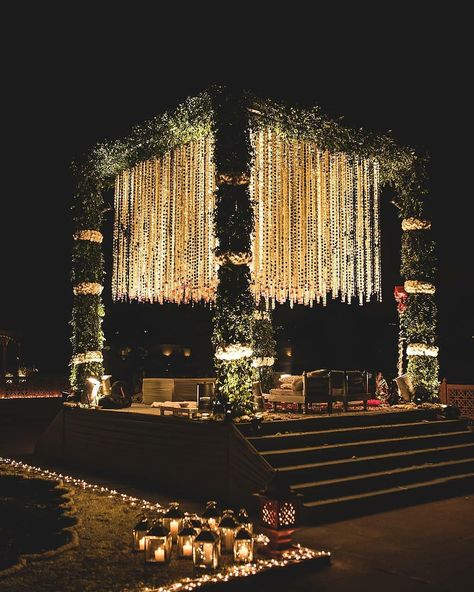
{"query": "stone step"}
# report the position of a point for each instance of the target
(361, 484)
(351, 450)
(338, 469)
(354, 434)
(331, 510)
(331, 422)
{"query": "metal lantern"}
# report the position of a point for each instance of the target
(243, 546)
(227, 529)
(211, 515)
(139, 531)
(206, 550)
(278, 514)
(196, 523)
(186, 538)
(243, 520)
(173, 520)
(158, 544)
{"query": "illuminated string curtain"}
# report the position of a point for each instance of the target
(317, 226)
(163, 234)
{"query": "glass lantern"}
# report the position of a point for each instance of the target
(186, 538)
(243, 546)
(244, 521)
(139, 531)
(211, 515)
(206, 550)
(227, 529)
(196, 523)
(173, 520)
(158, 544)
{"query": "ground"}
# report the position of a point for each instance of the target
(423, 548)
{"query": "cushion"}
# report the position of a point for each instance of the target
(293, 385)
(289, 378)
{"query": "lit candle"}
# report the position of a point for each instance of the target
(243, 552)
(141, 544)
(160, 554)
(174, 527)
(212, 523)
(187, 550)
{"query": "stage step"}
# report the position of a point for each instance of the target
(351, 464)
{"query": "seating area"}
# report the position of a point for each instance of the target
(320, 387)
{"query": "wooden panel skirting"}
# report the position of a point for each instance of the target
(191, 459)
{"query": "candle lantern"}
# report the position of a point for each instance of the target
(139, 531)
(243, 520)
(196, 523)
(278, 514)
(158, 544)
(211, 515)
(186, 538)
(227, 529)
(173, 520)
(243, 546)
(206, 549)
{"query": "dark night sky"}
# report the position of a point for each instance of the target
(73, 83)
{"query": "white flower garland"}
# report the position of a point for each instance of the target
(87, 288)
(89, 235)
(86, 357)
(235, 351)
(261, 315)
(260, 362)
(234, 257)
(422, 349)
(417, 287)
(415, 224)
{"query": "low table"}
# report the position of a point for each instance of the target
(175, 409)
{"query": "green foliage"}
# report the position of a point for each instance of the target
(424, 371)
(418, 257)
(419, 319)
(87, 262)
(234, 385)
(264, 346)
(233, 218)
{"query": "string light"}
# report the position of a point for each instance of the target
(163, 240)
(86, 357)
(317, 225)
(234, 351)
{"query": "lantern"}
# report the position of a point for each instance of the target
(206, 550)
(139, 531)
(186, 538)
(243, 546)
(227, 529)
(278, 514)
(158, 544)
(196, 523)
(173, 520)
(211, 515)
(243, 520)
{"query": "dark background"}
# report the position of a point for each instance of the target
(73, 79)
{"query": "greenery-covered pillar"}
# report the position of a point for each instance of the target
(418, 269)
(233, 219)
(264, 347)
(87, 276)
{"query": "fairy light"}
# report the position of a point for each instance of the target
(317, 228)
(235, 351)
(293, 556)
(86, 357)
(163, 240)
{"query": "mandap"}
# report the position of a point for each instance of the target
(245, 202)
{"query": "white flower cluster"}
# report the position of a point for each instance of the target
(415, 224)
(234, 257)
(89, 235)
(422, 349)
(87, 288)
(235, 351)
(259, 362)
(418, 287)
(90, 356)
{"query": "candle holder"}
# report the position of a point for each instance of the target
(243, 546)
(211, 515)
(196, 523)
(173, 520)
(244, 521)
(186, 538)
(227, 529)
(158, 544)
(139, 531)
(206, 550)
